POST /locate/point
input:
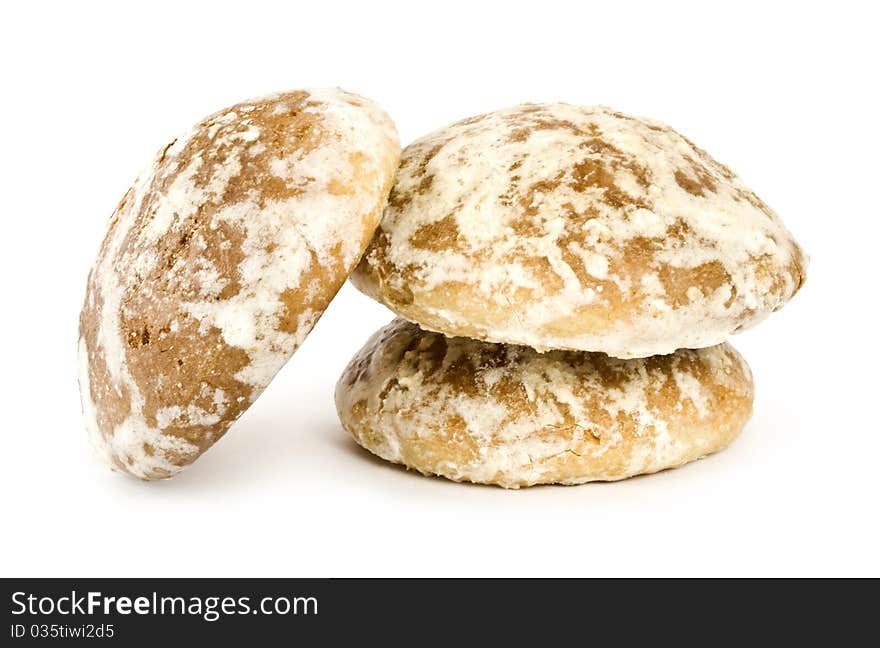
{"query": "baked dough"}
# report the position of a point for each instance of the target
(558, 226)
(218, 262)
(508, 415)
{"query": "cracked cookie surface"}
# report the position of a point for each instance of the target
(508, 415)
(218, 262)
(558, 226)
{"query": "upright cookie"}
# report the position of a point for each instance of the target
(508, 415)
(557, 226)
(218, 262)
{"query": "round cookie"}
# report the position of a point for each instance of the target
(218, 262)
(557, 226)
(508, 415)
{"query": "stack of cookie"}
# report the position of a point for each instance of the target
(566, 279)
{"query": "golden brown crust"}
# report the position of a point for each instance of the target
(558, 226)
(508, 415)
(218, 262)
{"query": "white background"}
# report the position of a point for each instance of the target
(787, 96)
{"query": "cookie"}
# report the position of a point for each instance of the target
(508, 415)
(218, 262)
(558, 226)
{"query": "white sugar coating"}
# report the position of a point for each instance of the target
(131, 436)
(90, 414)
(544, 213)
(226, 250)
(249, 320)
(493, 413)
